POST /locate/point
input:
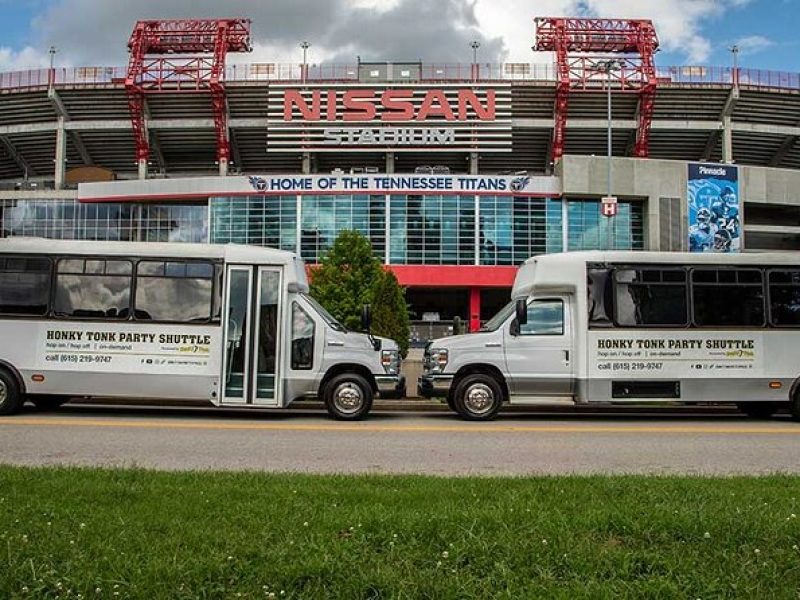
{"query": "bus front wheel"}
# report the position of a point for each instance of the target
(478, 397)
(10, 394)
(348, 397)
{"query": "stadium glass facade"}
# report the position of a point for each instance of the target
(425, 230)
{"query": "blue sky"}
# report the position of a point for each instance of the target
(765, 29)
(94, 32)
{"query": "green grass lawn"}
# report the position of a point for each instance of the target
(140, 534)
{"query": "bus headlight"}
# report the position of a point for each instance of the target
(437, 360)
(390, 359)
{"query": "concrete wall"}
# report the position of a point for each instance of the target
(649, 180)
(412, 369)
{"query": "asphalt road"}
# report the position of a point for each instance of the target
(430, 442)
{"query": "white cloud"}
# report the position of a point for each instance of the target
(753, 44)
(678, 22)
(96, 31)
(18, 60)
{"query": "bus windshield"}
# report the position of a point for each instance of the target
(496, 321)
(328, 317)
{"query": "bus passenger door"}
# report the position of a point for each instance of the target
(539, 354)
(252, 332)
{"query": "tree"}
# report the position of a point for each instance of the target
(390, 311)
(349, 276)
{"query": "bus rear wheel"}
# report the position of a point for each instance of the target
(794, 405)
(478, 397)
(758, 410)
(10, 394)
(48, 403)
(348, 397)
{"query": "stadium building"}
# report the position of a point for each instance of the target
(456, 173)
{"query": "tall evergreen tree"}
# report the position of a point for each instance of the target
(349, 275)
(390, 311)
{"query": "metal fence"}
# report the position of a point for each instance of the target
(427, 72)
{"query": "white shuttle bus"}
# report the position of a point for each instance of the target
(632, 327)
(231, 325)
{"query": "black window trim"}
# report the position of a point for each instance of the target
(768, 296)
(765, 303)
(763, 269)
(51, 282)
(218, 286)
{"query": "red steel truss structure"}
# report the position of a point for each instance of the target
(182, 56)
(583, 49)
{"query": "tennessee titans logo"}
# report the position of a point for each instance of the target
(519, 184)
(258, 183)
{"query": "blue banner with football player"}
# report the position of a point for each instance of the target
(714, 208)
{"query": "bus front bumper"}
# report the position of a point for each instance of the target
(391, 387)
(434, 386)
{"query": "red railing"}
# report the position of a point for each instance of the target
(485, 72)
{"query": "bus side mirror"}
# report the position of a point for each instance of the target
(522, 311)
(366, 326)
(366, 318)
(458, 326)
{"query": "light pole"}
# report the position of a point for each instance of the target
(735, 75)
(608, 67)
(475, 44)
(305, 46)
(51, 74)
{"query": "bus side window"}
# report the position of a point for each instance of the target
(784, 297)
(93, 289)
(728, 297)
(24, 285)
(650, 297)
(599, 297)
(174, 291)
(303, 329)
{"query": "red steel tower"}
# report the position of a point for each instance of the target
(184, 56)
(583, 48)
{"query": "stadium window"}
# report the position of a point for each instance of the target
(650, 297)
(784, 298)
(93, 289)
(174, 291)
(728, 297)
(24, 285)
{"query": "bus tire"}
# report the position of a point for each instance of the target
(794, 405)
(478, 397)
(348, 397)
(48, 403)
(758, 410)
(11, 400)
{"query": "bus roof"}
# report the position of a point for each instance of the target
(688, 258)
(228, 252)
(567, 270)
